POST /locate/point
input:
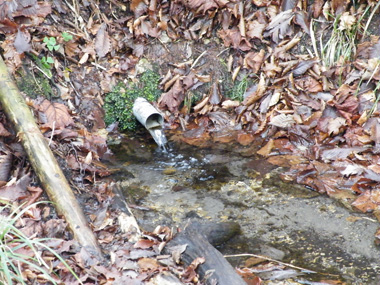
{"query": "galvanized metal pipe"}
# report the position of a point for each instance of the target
(151, 119)
(146, 114)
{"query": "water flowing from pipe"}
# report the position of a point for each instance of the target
(159, 137)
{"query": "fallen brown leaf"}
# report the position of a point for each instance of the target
(53, 115)
(267, 149)
(173, 98)
(16, 190)
(144, 243)
(280, 26)
(287, 160)
(368, 201)
(148, 264)
(102, 41)
(22, 41)
(254, 60)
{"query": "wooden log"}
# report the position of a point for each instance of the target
(198, 246)
(126, 219)
(43, 162)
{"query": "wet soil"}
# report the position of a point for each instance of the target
(283, 221)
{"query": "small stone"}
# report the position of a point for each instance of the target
(169, 171)
(272, 252)
(177, 188)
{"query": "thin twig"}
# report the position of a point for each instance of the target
(314, 43)
(198, 58)
(40, 69)
(222, 52)
(98, 66)
(76, 92)
(163, 44)
(270, 259)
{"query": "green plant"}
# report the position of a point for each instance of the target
(46, 61)
(343, 36)
(19, 252)
(119, 102)
(149, 83)
(67, 37)
(238, 89)
(51, 43)
(44, 64)
(34, 83)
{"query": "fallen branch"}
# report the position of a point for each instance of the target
(43, 161)
(215, 269)
(271, 259)
(304, 270)
(126, 219)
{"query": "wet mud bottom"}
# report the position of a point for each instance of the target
(285, 222)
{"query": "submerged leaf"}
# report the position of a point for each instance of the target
(286, 160)
(267, 149)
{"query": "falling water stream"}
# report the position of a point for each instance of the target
(159, 137)
(282, 221)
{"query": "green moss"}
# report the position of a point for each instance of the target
(238, 89)
(119, 102)
(234, 90)
(34, 85)
(150, 90)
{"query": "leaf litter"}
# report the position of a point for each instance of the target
(319, 121)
